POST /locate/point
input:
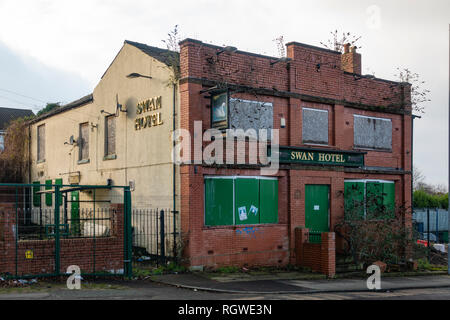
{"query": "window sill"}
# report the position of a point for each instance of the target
(83, 161)
(40, 161)
(317, 145)
(240, 226)
(110, 157)
(371, 149)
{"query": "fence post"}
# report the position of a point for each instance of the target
(57, 229)
(128, 268)
(428, 233)
(162, 235)
(174, 235)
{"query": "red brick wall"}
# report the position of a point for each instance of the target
(320, 257)
(289, 88)
(99, 255)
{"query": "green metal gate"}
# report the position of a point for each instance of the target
(84, 226)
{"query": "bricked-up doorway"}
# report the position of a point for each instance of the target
(47, 227)
(317, 210)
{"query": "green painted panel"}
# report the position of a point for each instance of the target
(389, 198)
(374, 199)
(218, 202)
(36, 197)
(317, 208)
(247, 198)
(354, 193)
(59, 182)
(48, 196)
(75, 213)
(268, 201)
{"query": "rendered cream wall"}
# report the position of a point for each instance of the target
(142, 155)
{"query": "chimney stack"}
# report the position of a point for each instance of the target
(351, 60)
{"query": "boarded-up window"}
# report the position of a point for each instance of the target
(240, 201)
(372, 133)
(84, 141)
(41, 143)
(369, 199)
(315, 126)
(246, 114)
(110, 136)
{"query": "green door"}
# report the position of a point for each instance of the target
(75, 213)
(317, 208)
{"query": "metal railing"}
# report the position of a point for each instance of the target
(156, 234)
(315, 236)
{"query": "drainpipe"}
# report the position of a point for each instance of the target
(29, 153)
(412, 157)
(174, 169)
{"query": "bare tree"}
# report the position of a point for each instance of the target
(280, 46)
(419, 95)
(418, 178)
(338, 41)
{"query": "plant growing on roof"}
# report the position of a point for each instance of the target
(419, 94)
(173, 56)
(338, 41)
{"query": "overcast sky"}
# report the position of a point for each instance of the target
(57, 50)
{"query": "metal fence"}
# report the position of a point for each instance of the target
(315, 236)
(44, 228)
(156, 235)
(431, 224)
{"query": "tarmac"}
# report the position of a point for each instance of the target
(296, 283)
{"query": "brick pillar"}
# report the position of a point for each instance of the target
(328, 254)
(7, 237)
(301, 236)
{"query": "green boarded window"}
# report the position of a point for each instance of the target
(268, 193)
(48, 196)
(354, 195)
(218, 202)
(369, 199)
(247, 201)
(59, 182)
(36, 195)
(240, 201)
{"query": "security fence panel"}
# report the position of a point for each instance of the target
(84, 226)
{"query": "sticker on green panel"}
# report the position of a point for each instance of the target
(246, 196)
(242, 213)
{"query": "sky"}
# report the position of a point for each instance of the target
(57, 50)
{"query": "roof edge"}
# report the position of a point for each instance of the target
(72, 105)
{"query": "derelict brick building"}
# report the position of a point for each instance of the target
(342, 136)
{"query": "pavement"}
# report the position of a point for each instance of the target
(297, 285)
